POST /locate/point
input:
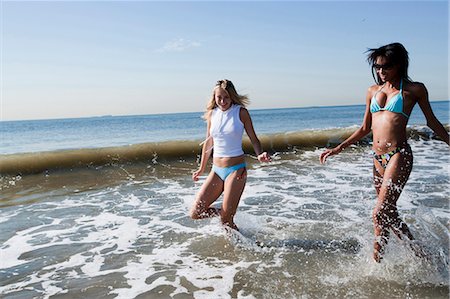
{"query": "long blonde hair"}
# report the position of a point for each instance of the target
(228, 86)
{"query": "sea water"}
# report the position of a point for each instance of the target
(95, 132)
(119, 228)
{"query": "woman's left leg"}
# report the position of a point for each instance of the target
(385, 214)
(233, 188)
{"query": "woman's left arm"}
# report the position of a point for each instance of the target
(432, 121)
(248, 125)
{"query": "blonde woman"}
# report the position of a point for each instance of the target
(226, 118)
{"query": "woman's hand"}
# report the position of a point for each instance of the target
(196, 174)
(264, 157)
(329, 152)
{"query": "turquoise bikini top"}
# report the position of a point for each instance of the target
(395, 104)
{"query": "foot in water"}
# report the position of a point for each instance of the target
(230, 230)
(418, 250)
(377, 252)
(378, 248)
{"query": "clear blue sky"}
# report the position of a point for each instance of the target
(75, 59)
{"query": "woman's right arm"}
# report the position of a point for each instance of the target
(357, 135)
(206, 151)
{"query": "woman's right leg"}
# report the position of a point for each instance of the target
(381, 232)
(210, 191)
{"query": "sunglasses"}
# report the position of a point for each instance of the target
(386, 66)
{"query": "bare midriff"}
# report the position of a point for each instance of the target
(389, 131)
(228, 161)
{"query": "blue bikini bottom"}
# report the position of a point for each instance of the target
(224, 172)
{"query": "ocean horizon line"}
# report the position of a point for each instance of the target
(182, 113)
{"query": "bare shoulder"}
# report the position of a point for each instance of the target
(243, 111)
(373, 89)
(244, 115)
(417, 89)
(416, 86)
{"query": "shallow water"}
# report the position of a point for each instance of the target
(123, 231)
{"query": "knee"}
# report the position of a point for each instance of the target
(383, 216)
(376, 216)
(193, 213)
(197, 210)
(379, 216)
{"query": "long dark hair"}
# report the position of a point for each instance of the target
(395, 53)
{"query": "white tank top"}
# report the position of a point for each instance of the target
(227, 130)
